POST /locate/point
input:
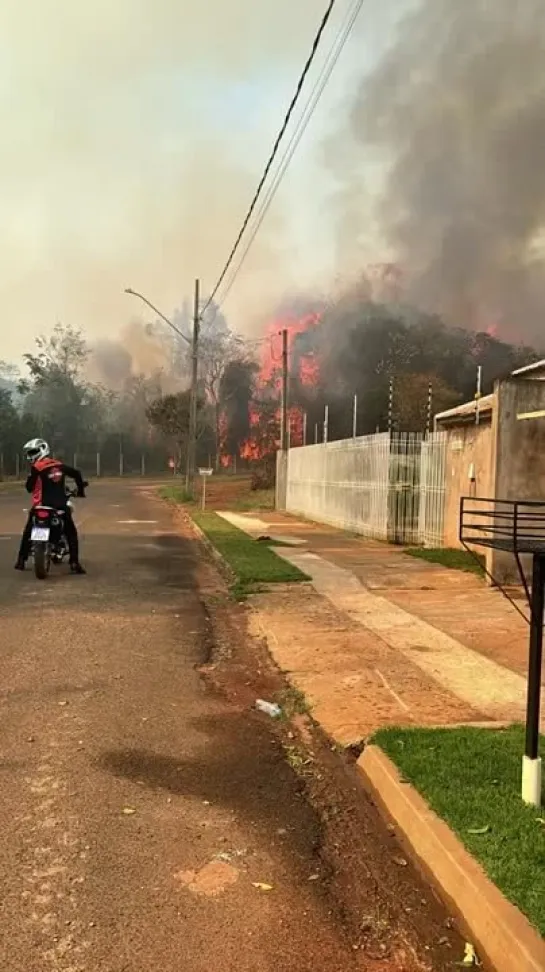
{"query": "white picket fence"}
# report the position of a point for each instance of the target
(384, 486)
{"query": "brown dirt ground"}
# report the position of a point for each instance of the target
(392, 914)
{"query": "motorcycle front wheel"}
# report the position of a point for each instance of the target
(41, 560)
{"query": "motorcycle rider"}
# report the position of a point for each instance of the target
(46, 483)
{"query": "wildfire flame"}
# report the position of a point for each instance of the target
(304, 368)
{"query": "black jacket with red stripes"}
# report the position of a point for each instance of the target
(47, 481)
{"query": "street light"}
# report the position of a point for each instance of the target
(134, 293)
(194, 344)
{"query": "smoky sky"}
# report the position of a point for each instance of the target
(133, 135)
(453, 118)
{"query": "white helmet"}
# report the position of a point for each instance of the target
(35, 449)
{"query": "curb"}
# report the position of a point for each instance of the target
(209, 546)
(499, 930)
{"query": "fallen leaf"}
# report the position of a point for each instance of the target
(262, 887)
(314, 877)
(479, 830)
(129, 811)
(400, 861)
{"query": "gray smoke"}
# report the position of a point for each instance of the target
(141, 352)
(455, 114)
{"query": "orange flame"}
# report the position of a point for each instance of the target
(262, 442)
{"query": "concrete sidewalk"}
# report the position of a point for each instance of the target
(439, 643)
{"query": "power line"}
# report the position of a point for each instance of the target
(289, 113)
(308, 111)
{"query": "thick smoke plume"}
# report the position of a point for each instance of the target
(141, 352)
(133, 138)
(456, 111)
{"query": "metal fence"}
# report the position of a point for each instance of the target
(431, 526)
(389, 486)
(97, 464)
(367, 484)
(404, 487)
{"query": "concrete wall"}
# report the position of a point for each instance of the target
(518, 455)
(467, 445)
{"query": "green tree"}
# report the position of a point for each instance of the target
(58, 402)
(169, 415)
(9, 430)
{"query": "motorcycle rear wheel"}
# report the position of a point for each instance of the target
(41, 560)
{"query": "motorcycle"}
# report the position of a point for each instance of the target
(48, 542)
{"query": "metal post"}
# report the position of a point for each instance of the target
(192, 444)
(284, 432)
(121, 460)
(304, 428)
(1, 465)
(531, 764)
(17, 466)
(98, 465)
(430, 407)
(315, 433)
(143, 465)
(478, 392)
(355, 418)
(390, 404)
(203, 503)
(326, 424)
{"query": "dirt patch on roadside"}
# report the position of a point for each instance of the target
(392, 915)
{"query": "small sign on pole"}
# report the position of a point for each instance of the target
(204, 474)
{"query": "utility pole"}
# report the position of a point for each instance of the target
(192, 443)
(284, 440)
(194, 343)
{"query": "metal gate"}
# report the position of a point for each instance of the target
(404, 490)
(433, 465)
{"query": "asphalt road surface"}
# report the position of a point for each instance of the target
(122, 776)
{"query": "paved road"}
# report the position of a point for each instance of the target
(120, 774)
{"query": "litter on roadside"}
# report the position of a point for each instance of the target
(470, 959)
(269, 708)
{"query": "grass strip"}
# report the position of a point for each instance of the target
(472, 778)
(449, 557)
(252, 562)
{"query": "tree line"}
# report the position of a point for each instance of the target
(356, 348)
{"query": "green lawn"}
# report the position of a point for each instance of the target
(471, 778)
(253, 563)
(449, 557)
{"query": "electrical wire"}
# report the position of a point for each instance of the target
(308, 111)
(279, 137)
